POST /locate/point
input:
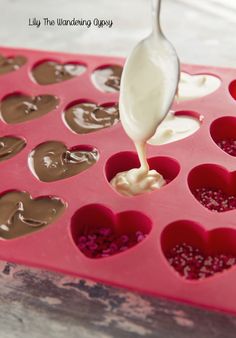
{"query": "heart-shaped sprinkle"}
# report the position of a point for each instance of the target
(87, 117)
(21, 215)
(191, 263)
(107, 79)
(11, 64)
(10, 146)
(17, 108)
(50, 72)
(52, 161)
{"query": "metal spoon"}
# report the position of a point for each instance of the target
(148, 85)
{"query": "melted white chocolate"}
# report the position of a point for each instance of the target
(174, 128)
(148, 87)
(195, 86)
(134, 182)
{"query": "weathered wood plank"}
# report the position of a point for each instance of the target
(39, 304)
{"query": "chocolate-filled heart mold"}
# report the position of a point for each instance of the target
(69, 154)
(10, 64)
(53, 161)
(86, 117)
(195, 253)
(10, 146)
(17, 108)
(20, 214)
(99, 233)
(107, 78)
(49, 72)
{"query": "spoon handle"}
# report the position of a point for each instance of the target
(156, 9)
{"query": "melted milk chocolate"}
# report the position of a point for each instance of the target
(108, 78)
(10, 64)
(50, 72)
(21, 215)
(18, 108)
(52, 161)
(10, 146)
(87, 117)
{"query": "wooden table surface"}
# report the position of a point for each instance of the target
(39, 304)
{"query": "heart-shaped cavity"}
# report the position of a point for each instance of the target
(176, 126)
(223, 132)
(53, 161)
(196, 253)
(20, 214)
(99, 233)
(214, 187)
(127, 160)
(10, 146)
(196, 86)
(17, 108)
(107, 78)
(232, 89)
(10, 64)
(86, 117)
(49, 72)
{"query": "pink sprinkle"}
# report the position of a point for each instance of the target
(103, 242)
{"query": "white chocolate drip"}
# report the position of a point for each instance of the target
(148, 86)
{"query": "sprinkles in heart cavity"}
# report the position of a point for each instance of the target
(228, 145)
(103, 242)
(215, 199)
(191, 263)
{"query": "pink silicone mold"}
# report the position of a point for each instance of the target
(163, 218)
